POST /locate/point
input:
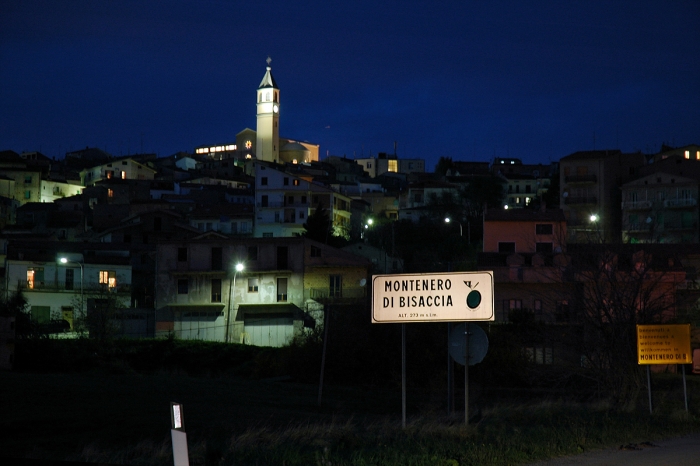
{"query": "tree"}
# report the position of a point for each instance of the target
(616, 288)
(319, 227)
(444, 164)
(102, 311)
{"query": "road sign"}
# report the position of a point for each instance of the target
(478, 343)
(664, 344)
(432, 297)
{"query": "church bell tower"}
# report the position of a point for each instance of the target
(267, 140)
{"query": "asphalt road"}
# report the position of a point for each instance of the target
(682, 451)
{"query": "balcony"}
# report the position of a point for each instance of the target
(680, 203)
(581, 179)
(580, 200)
(636, 205)
(59, 287)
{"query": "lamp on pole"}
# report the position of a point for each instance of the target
(65, 260)
(448, 220)
(239, 268)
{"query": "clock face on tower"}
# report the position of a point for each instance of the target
(275, 108)
(248, 144)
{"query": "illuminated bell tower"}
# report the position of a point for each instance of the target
(267, 142)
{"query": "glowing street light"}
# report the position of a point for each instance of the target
(594, 217)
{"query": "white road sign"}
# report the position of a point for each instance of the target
(432, 297)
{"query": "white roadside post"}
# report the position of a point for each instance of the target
(434, 297)
(178, 435)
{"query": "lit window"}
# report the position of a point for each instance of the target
(123, 175)
(110, 193)
(109, 278)
(35, 277)
(393, 166)
(687, 154)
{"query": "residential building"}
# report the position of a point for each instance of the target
(660, 208)
(283, 203)
(590, 184)
(280, 288)
(64, 282)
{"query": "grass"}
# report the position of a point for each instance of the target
(99, 416)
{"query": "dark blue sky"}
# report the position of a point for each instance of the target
(465, 79)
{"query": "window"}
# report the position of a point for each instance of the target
(216, 290)
(303, 199)
(393, 166)
(335, 288)
(285, 181)
(282, 258)
(263, 201)
(253, 285)
(545, 248)
(543, 229)
(252, 253)
(216, 259)
(315, 251)
(182, 254)
(290, 200)
(295, 182)
(506, 247)
(509, 305)
(35, 277)
(109, 278)
(263, 181)
(267, 234)
(69, 279)
(27, 179)
(539, 354)
(281, 290)
(27, 194)
(183, 286)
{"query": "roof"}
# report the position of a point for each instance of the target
(524, 215)
(591, 154)
(268, 80)
(269, 309)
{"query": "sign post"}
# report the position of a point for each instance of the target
(664, 344)
(436, 297)
(178, 435)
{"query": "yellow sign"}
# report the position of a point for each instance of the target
(664, 344)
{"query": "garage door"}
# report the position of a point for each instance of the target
(269, 331)
(204, 325)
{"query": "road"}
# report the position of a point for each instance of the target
(682, 451)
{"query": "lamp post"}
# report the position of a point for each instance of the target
(448, 220)
(65, 260)
(239, 268)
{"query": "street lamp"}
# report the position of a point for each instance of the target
(65, 260)
(239, 268)
(448, 220)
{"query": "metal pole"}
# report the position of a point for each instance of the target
(649, 388)
(403, 375)
(685, 391)
(466, 373)
(450, 374)
(82, 299)
(326, 320)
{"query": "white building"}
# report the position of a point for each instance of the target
(59, 290)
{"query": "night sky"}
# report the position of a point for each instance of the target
(471, 80)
